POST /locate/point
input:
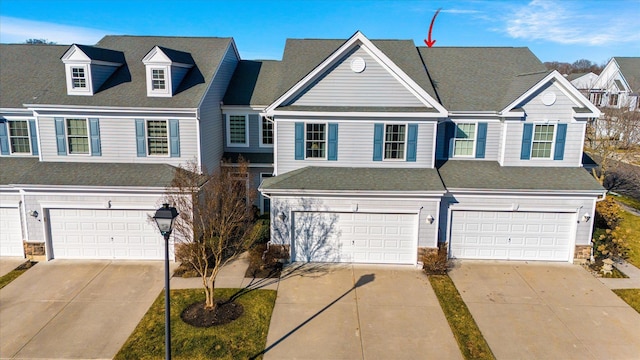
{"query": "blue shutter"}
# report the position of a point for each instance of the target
(561, 137)
(527, 136)
(449, 133)
(332, 153)
(174, 137)
(412, 142)
(378, 141)
(481, 140)
(4, 139)
(140, 138)
(94, 132)
(299, 153)
(33, 134)
(60, 140)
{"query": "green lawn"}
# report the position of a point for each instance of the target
(240, 339)
(470, 340)
(630, 296)
(629, 201)
(13, 274)
(632, 223)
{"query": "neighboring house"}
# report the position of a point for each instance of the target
(584, 82)
(90, 138)
(383, 150)
(618, 85)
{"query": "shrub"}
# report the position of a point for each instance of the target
(612, 244)
(260, 234)
(608, 214)
(436, 262)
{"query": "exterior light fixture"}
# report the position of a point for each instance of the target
(586, 217)
(33, 213)
(282, 216)
(165, 217)
(430, 219)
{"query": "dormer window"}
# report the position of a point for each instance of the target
(158, 80)
(78, 78)
(87, 68)
(165, 69)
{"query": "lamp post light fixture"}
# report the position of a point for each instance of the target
(164, 218)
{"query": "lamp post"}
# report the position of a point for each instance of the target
(164, 218)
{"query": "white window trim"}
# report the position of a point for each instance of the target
(384, 141)
(263, 175)
(326, 140)
(28, 138)
(228, 131)
(166, 92)
(88, 90)
(273, 136)
(553, 140)
(146, 138)
(475, 140)
(66, 135)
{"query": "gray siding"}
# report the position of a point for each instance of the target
(211, 130)
(177, 74)
(100, 74)
(254, 136)
(561, 110)
(341, 86)
(493, 141)
(355, 146)
(118, 142)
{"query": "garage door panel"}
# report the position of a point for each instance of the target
(10, 232)
(512, 235)
(104, 234)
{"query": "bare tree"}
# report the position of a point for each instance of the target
(39, 42)
(215, 222)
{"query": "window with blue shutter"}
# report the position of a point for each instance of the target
(4, 138)
(449, 134)
(481, 140)
(527, 135)
(561, 137)
(332, 152)
(140, 138)
(60, 136)
(94, 133)
(412, 142)
(299, 138)
(33, 133)
(174, 137)
(378, 141)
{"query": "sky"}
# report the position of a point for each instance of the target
(556, 30)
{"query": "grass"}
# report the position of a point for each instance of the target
(632, 223)
(13, 274)
(240, 339)
(629, 201)
(470, 340)
(630, 296)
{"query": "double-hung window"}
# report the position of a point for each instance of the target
(19, 137)
(158, 81)
(542, 141)
(394, 141)
(237, 130)
(78, 78)
(613, 99)
(266, 127)
(77, 136)
(157, 137)
(464, 140)
(316, 141)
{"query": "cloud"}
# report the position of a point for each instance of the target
(14, 30)
(552, 21)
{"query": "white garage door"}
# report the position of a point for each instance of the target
(104, 234)
(355, 237)
(511, 235)
(10, 232)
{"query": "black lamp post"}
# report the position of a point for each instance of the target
(164, 218)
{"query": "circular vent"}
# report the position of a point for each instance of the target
(358, 65)
(549, 98)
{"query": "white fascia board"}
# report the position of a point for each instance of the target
(69, 189)
(351, 193)
(17, 112)
(515, 192)
(108, 109)
(250, 165)
(342, 50)
(565, 87)
(259, 108)
(420, 115)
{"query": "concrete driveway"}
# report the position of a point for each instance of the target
(8, 263)
(358, 312)
(76, 309)
(547, 311)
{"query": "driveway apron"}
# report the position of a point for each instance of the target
(357, 312)
(76, 309)
(547, 311)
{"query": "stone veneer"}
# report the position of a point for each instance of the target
(582, 253)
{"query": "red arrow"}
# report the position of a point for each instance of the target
(431, 42)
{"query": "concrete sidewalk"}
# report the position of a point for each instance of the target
(8, 263)
(633, 282)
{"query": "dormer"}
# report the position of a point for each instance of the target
(88, 67)
(165, 69)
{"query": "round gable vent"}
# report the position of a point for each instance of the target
(549, 98)
(358, 64)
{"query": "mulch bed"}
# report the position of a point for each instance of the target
(265, 263)
(224, 313)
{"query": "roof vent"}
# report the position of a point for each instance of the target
(358, 64)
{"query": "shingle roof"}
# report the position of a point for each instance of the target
(630, 68)
(178, 56)
(31, 171)
(96, 53)
(489, 175)
(41, 80)
(356, 179)
(254, 82)
(481, 78)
